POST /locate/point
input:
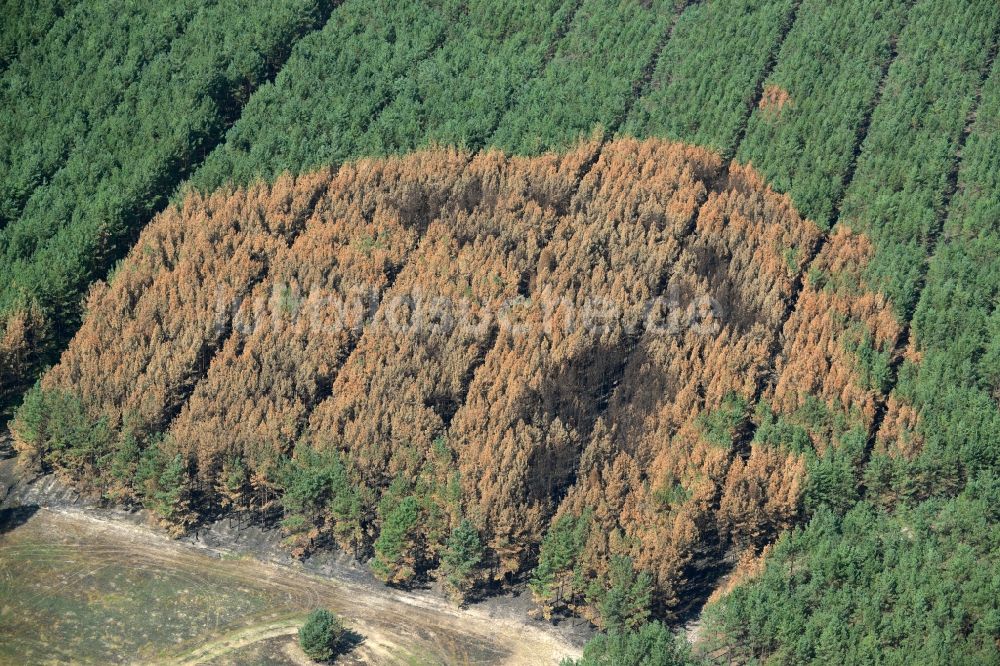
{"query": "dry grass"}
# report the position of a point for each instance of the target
(74, 588)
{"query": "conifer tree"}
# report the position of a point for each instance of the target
(460, 561)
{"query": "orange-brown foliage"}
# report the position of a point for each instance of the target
(761, 494)
(22, 332)
(750, 565)
(534, 400)
(830, 317)
(568, 324)
(296, 328)
(152, 331)
(22, 335)
(774, 99)
(653, 479)
(408, 374)
(899, 435)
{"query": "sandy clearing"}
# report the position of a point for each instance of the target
(397, 626)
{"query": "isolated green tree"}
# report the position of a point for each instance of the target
(321, 635)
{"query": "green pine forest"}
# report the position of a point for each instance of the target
(880, 119)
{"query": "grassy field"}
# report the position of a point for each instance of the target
(75, 589)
